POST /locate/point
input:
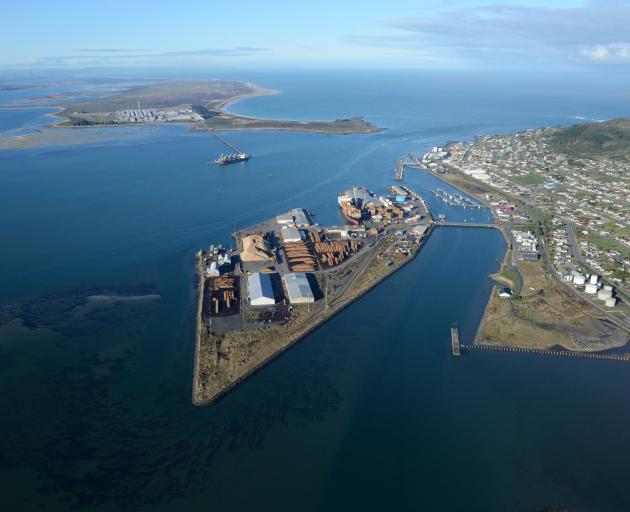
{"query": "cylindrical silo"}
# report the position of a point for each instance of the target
(590, 288)
(604, 294)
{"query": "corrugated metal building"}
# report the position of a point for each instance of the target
(300, 217)
(290, 234)
(296, 216)
(260, 289)
(285, 218)
(298, 288)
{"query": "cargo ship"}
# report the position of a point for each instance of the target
(353, 215)
(233, 158)
(351, 203)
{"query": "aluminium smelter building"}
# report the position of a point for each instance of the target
(298, 288)
(260, 290)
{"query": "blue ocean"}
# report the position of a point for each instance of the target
(369, 412)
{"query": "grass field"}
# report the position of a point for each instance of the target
(605, 244)
(530, 179)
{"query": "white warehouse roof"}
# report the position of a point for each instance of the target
(300, 217)
(260, 289)
(285, 218)
(290, 234)
(298, 288)
(297, 216)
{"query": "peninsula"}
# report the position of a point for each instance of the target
(202, 103)
(560, 196)
(287, 275)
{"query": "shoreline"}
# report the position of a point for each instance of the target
(277, 125)
(223, 105)
(294, 338)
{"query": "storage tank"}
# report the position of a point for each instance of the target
(604, 294)
(594, 278)
(590, 288)
(612, 302)
(579, 279)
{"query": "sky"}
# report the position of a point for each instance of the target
(446, 34)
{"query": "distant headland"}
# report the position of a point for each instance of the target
(200, 102)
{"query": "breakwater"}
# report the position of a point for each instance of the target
(547, 352)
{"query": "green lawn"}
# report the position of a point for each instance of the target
(530, 179)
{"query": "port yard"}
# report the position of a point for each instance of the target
(270, 290)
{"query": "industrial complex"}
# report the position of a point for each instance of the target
(287, 274)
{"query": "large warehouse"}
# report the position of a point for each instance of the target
(298, 288)
(260, 289)
(295, 217)
(290, 234)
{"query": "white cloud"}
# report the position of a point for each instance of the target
(507, 33)
(608, 52)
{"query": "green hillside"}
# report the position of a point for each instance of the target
(611, 138)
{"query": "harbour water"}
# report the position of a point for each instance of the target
(369, 412)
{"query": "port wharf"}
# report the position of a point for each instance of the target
(287, 276)
(343, 262)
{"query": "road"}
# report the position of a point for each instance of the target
(575, 248)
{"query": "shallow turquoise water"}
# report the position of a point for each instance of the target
(369, 412)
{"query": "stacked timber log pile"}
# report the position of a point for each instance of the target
(316, 236)
(299, 257)
(222, 293)
(335, 252)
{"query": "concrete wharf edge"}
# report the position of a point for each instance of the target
(290, 344)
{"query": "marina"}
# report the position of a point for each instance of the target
(456, 199)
